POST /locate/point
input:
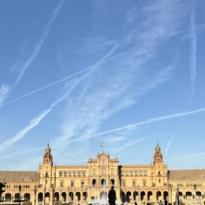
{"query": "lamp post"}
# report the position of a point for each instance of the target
(35, 195)
(138, 198)
(196, 197)
(177, 197)
(20, 187)
(170, 187)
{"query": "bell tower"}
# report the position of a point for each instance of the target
(48, 158)
(158, 157)
(159, 168)
(46, 169)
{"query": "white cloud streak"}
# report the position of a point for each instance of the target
(126, 81)
(193, 66)
(52, 84)
(38, 46)
(150, 121)
(34, 122)
(169, 144)
(4, 91)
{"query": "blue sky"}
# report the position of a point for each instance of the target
(125, 73)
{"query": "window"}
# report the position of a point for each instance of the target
(72, 184)
(82, 183)
(61, 184)
(60, 174)
(112, 181)
(65, 174)
(103, 182)
(94, 182)
(144, 182)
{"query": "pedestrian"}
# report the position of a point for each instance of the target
(112, 196)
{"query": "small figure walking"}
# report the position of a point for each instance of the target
(112, 196)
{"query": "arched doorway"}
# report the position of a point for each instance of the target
(56, 196)
(166, 194)
(85, 196)
(149, 196)
(158, 195)
(198, 194)
(40, 197)
(27, 197)
(71, 195)
(8, 197)
(142, 196)
(63, 195)
(47, 197)
(78, 195)
(135, 196)
(17, 197)
(188, 195)
(128, 196)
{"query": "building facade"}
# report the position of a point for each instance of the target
(134, 184)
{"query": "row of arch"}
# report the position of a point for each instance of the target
(8, 197)
(70, 196)
(142, 196)
(125, 196)
(190, 194)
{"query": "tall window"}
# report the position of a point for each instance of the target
(72, 183)
(94, 182)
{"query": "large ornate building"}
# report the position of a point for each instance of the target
(134, 184)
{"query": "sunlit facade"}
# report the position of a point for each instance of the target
(134, 184)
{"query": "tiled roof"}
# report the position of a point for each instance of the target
(19, 176)
(187, 175)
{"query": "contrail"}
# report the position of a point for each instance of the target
(193, 66)
(36, 120)
(149, 121)
(37, 48)
(33, 123)
(44, 87)
(169, 145)
(191, 156)
(4, 91)
(88, 70)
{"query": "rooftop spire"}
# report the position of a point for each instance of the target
(48, 158)
(158, 157)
